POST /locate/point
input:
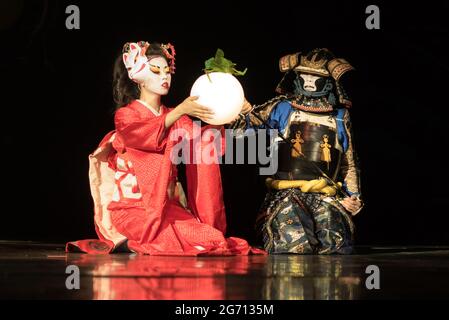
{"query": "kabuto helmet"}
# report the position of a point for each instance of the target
(319, 62)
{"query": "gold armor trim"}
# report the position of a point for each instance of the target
(326, 107)
(297, 142)
(288, 62)
(323, 67)
(313, 66)
(326, 150)
(338, 67)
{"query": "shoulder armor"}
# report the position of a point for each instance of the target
(337, 67)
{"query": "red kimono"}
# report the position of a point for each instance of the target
(137, 197)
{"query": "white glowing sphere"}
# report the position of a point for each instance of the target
(222, 93)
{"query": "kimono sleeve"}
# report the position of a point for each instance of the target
(147, 134)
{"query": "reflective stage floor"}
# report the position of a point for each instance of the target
(30, 270)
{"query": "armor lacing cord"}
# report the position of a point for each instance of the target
(316, 185)
(326, 91)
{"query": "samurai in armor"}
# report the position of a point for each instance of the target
(316, 189)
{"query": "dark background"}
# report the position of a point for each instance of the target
(56, 102)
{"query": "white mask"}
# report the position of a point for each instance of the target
(136, 62)
(309, 81)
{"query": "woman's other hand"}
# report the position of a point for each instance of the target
(190, 107)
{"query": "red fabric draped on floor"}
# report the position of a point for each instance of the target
(151, 214)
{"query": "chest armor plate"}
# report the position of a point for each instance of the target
(317, 143)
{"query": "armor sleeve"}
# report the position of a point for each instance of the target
(349, 166)
(249, 120)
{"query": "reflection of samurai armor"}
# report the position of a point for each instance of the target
(301, 212)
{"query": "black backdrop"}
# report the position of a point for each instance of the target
(56, 102)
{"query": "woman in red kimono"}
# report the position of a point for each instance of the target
(139, 204)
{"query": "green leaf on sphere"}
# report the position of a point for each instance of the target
(220, 64)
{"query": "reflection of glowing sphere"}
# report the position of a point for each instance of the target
(222, 93)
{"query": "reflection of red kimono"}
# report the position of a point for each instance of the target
(156, 223)
(167, 278)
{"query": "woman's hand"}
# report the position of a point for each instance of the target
(352, 204)
(194, 109)
(189, 107)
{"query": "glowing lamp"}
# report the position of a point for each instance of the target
(219, 89)
(222, 93)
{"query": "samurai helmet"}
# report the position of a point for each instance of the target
(320, 62)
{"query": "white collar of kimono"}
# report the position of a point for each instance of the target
(151, 108)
